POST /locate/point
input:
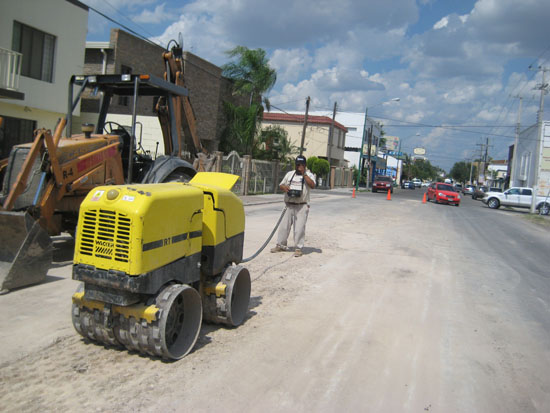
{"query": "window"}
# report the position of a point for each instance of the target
(124, 100)
(524, 168)
(526, 192)
(13, 132)
(38, 50)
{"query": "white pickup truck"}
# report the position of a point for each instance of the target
(517, 197)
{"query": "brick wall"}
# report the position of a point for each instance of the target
(207, 88)
(202, 78)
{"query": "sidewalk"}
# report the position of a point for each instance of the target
(276, 198)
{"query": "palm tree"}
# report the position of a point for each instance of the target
(250, 73)
(252, 76)
(241, 131)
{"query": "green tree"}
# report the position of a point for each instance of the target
(250, 72)
(252, 76)
(240, 133)
(310, 162)
(460, 171)
(419, 168)
(320, 167)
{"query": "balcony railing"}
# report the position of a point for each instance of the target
(10, 69)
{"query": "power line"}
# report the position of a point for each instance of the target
(126, 18)
(123, 26)
(454, 128)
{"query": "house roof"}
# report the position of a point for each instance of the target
(291, 118)
(99, 45)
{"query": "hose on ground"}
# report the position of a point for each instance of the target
(268, 239)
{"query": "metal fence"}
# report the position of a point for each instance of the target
(263, 177)
(233, 164)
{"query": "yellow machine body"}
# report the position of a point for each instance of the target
(223, 221)
(136, 229)
(223, 212)
(155, 258)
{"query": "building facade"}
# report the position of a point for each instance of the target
(50, 37)
(316, 142)
(531, 168)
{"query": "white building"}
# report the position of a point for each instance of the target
(532, 156)
(50, 37)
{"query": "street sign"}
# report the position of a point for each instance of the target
(395, 153)
(419, 151)
(392, 142)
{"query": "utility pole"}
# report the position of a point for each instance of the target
(543, 89)
(330, 138)
(513, 171)
(485, 160)
(361, 157)
(479, 161)
(305, 126)
(369, 171)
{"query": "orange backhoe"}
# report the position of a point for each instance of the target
(46, 180)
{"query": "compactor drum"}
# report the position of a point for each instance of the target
(150, 257)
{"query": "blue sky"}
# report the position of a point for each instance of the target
(451, 62)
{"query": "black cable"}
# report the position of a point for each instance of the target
(268, 239)
(123, 26)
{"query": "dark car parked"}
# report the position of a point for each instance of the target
(468, 189)
(479, 192)
(407, 185)
(382, 183)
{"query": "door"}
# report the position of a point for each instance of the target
(525, 197)
(511, 197)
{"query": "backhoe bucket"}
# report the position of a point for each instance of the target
(26, 251)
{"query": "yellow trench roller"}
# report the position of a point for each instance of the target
(152, 257)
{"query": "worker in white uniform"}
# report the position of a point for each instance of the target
(296, 186)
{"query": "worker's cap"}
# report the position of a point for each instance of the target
(300, 159)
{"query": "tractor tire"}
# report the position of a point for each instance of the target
(177, 176)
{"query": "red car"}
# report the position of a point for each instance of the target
(444, 193)
(382, 183)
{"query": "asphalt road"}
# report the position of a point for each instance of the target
(395, 306)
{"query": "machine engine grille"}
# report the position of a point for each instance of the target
(105, 234)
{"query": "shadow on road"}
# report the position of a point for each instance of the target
(63, 250)
(311, 250)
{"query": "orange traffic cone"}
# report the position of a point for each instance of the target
(389, 195)
(424, 198)
(353, 195)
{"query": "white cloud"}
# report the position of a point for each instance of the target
(291, 64)
(442, 23)
(158, 15)
(360, 53)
